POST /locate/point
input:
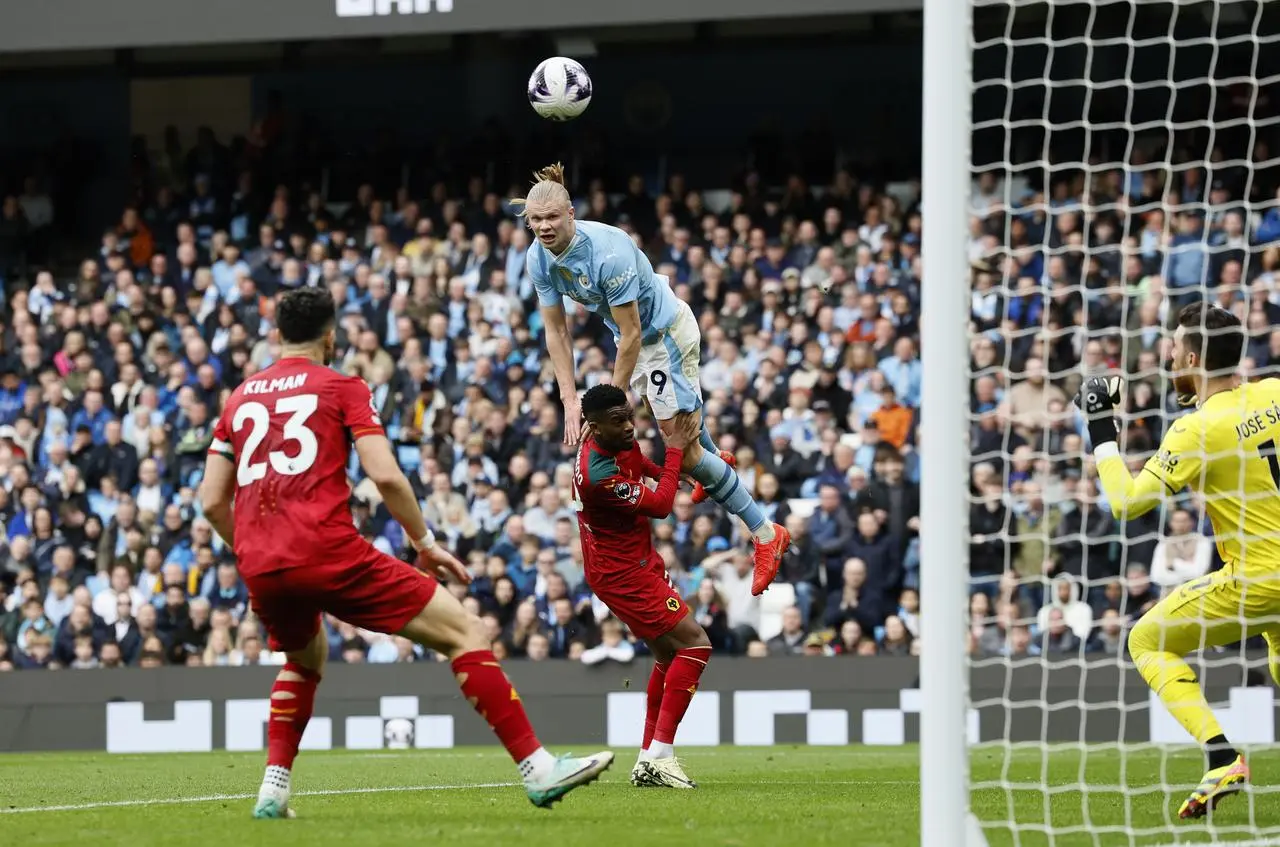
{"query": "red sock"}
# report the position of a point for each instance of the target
(291, 704)
(682, 681)
(656, 680)
(490, 693)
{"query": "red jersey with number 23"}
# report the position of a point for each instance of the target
(615, 505)
(289, 431)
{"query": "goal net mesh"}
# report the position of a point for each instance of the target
(1125, 164)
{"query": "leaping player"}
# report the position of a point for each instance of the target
(659, 344)
(275, 487)
(1226, 450)
(625, 571)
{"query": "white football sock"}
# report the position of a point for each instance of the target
(276, 779)
(537, 764)
(659, 750)
(644, 755)
(765, 533)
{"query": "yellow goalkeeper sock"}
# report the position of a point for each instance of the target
(1175, 684)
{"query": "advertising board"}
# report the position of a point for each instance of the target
(28, 25)
(744, 702)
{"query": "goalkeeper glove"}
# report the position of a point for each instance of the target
(1098, 398)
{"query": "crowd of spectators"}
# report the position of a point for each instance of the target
(111, 378)
(1086, 278)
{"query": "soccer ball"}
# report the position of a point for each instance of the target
(559, 89)
(399, 733)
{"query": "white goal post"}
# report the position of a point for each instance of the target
(1153, 127)
(944, 672)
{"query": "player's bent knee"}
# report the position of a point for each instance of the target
(1148, 642)
(443, 625)
(464, 635)
(1143, 638)
(688, 634)
(309, 660)
(693, 636)
(299, 672)
(475, 635)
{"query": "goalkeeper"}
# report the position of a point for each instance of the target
(1226, 450)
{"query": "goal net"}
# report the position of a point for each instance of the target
(1125, 162)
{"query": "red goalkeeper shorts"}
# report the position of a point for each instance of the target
(642, 598)
(380, 593)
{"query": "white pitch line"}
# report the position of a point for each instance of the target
(392, 789)
(213, 798)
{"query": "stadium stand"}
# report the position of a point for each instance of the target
(113, 370)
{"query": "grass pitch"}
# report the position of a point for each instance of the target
(790, 796)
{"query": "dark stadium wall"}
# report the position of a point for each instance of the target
(38, 117)
(693, 105)
(693, 110)
(221, 102)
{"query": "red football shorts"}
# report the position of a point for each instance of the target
(642, 598)
(380, 594)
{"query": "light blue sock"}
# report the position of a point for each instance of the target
(708, 443)
(725, 488)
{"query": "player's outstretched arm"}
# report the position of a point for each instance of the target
(692, 451)
(621, 284)
(1128, 495)
(379, 463)
(658, 502)
(560, 349)
(627, 317)
(217, 490)
(652, 469)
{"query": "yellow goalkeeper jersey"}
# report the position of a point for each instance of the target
(1226, 450)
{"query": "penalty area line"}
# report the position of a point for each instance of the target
(214, 798)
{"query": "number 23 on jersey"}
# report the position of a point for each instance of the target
(298, 451)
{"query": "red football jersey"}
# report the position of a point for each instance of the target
(289, 431)
(614, 505)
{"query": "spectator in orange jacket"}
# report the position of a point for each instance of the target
(892, 418)
(135, 238)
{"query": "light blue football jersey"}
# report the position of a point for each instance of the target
(601, 269)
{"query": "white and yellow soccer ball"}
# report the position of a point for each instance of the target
(560, 89)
